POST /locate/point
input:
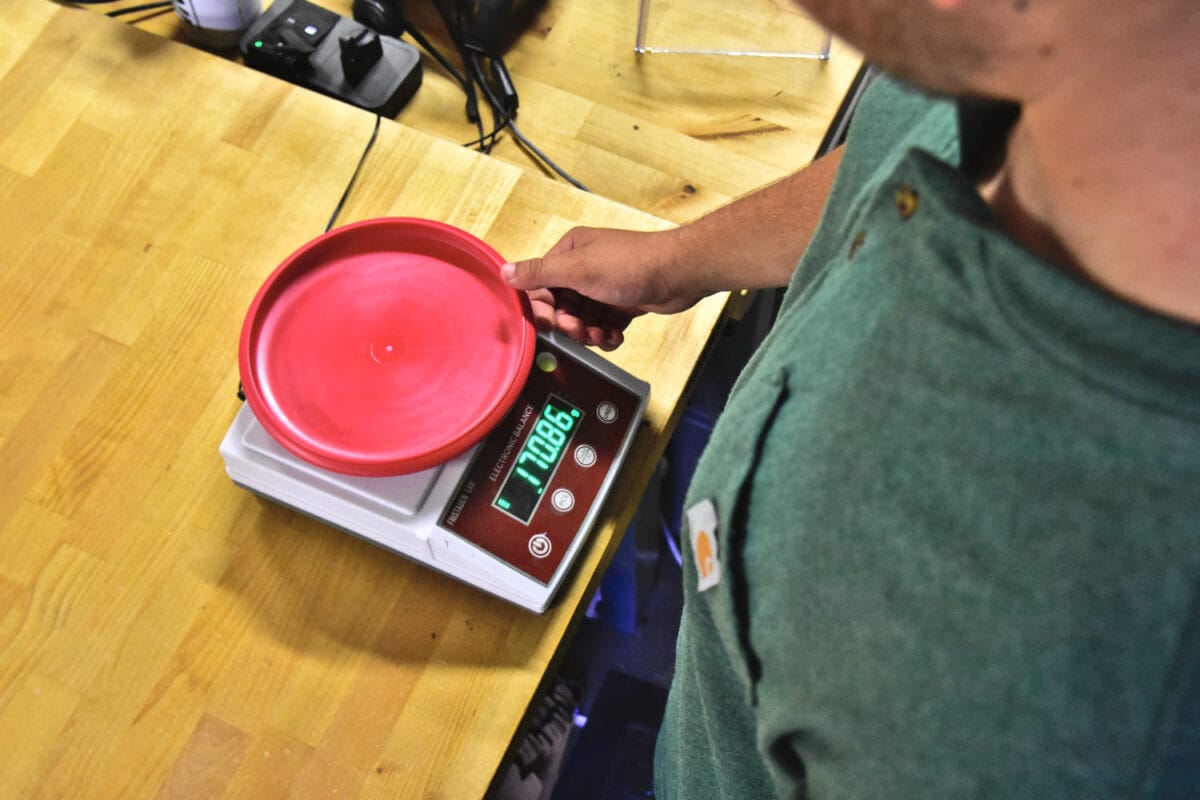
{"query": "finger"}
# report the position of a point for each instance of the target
(610, 339)
(543, 315)
(571, 326)
(580, 318)
(615, 340)
(598, 336)
(556, 310)
(588, 335)
(535, 273)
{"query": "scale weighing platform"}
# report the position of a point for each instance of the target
(445, 431)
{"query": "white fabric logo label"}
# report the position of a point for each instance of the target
(702, 524)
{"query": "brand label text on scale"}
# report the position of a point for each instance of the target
(461, 502)
(494, 475)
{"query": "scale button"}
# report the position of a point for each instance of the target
(546, 362)
(585, 455)
(606, 412)
(562, 500)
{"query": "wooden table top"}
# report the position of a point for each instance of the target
(672, 135)
(163, 632)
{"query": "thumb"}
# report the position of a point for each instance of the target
(527, 275)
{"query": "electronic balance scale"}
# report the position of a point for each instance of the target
(396, 389)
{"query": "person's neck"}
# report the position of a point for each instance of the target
(1102, 176)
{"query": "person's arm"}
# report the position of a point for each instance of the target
(594, 280)
(756, 241)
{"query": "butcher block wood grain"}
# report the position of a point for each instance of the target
(162, 632)
(673, 135)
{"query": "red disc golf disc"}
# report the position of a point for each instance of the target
(385, 347)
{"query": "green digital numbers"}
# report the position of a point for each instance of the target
(539, 458)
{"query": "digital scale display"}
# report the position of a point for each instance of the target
(538, 459)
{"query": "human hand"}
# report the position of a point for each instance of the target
(594, 281)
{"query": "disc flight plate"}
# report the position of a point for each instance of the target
(385, 347)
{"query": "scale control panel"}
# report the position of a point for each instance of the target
(531, 487)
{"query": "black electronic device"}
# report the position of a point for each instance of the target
(481, 30)
(485, 26)
(382, 16)
(331, 54)
(478, 25)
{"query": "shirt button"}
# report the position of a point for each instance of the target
(907, 201)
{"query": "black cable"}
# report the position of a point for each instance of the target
(472, 98)
(499, 121)
(500, 115)
(463, 82)
(428, 47)
(493, 135)
(520, 137)
(163, 4)
(529, 146)
(354, 177)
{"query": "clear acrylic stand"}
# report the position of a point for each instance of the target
(742, 32)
